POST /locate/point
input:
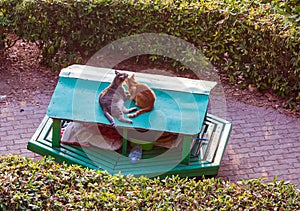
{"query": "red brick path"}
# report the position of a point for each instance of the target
(263, 143)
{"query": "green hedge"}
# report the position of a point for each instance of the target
(289, 8)
(46, 185)
(250, 41)
(6, 23)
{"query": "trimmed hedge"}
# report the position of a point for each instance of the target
(249, 40)
(290, 9)
(46, 185)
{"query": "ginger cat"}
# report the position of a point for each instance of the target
(112, 100)
(143, 96)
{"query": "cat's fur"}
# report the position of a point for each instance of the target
(112, 100)
(142, 94)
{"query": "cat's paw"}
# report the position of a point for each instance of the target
(132, 109)
(129, 121)
(130, 115)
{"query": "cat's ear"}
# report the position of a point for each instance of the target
(116, 72)
(132, 76)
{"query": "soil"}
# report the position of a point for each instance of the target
(23, 78)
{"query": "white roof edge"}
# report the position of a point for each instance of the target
(155, 81)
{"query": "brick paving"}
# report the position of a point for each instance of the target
(263, 142)
(18, 123)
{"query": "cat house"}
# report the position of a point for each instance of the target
(180, 111)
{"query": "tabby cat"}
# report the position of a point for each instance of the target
(112, 100)
(143, 96)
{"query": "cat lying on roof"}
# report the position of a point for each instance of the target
(112, 100)
(113, 97)
(142, 94)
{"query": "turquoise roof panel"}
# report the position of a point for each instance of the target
(76, 98)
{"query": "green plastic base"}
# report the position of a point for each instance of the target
(155, 162)
(144, 144)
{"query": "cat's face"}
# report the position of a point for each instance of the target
(130, 81)
(120, 77)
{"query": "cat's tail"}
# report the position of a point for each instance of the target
(141, 111)
(110, 119)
